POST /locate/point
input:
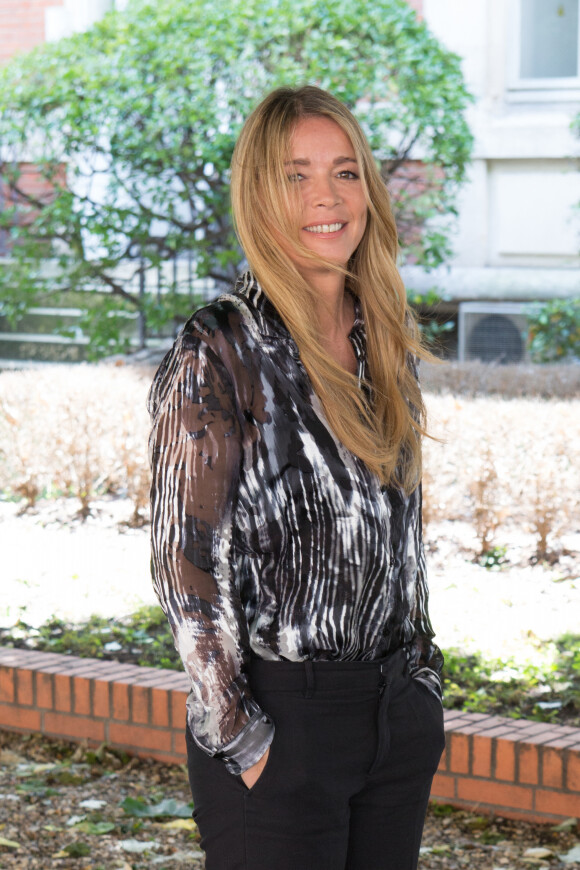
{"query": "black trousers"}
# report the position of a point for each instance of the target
(347, 780)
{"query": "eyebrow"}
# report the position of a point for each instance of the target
(303, 161)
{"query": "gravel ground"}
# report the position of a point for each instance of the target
(60, 807)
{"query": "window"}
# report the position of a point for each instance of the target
(548, 39)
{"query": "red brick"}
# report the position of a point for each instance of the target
(19, 717)
(507, 812)
(79, 727)
(101, 706)
(494, 722)
(573, 772)
(538, 727)
(40, 661)
(497, 794)
(552, 768)
(179, 745)
(133, 735)
(478, 717)
(6, 685)
(443, 786)
(528, 764)
(160, 708)
(62, 699)
(455, 725)
(178, 709)
(82, 696)
(459, 761)
(505, 760)
(505, 731)
(120, 701)
(140, 705)
(473, 728)
(24, 688)
(481, 763)
(163, 757)
(44, 696)
(449, 715)
(558, 804)
(562, 742)
(13, 658)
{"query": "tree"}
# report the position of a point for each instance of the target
(143, 110)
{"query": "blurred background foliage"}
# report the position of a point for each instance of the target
(132, 125)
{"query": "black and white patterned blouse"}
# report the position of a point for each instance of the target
(269, 537)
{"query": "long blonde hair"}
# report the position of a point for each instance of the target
(386, 433)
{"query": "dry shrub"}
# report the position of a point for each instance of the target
(429, 506)
(521, 380)
(483, 492)
(82, 430)
(506, 459)
(76, 431)
(25, 409)
(134, 461)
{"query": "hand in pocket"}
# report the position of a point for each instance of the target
(251, 776)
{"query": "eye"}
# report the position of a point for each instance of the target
(295, 177)
(348, 174)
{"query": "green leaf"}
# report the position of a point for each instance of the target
(78, 849)
(96, 828)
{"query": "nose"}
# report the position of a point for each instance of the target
(325, 193)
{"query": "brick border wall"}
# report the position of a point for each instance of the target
(511, 767)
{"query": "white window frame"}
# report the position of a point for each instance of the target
(534, 90)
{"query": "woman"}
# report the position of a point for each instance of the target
(286, 517)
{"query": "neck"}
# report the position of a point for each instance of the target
(334, 308)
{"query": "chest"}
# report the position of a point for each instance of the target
(343, 353)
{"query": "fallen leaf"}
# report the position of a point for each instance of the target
(96, 828)
(92, 804)
(10, 844)
(179, 824)
(567, 825)
(169, 807)
(572, 856)
(77, 850)
(539, 852)
(177, 856)
(138, 845)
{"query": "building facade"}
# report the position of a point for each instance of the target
(518, 233)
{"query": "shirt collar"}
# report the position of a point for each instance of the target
(270, 322)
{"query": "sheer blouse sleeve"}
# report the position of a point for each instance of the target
(195, 452)
(426, 659)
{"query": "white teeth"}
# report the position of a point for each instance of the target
(325, 228)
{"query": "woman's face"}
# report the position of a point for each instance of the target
(333, 212)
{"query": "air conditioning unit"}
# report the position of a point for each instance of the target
(492, 332)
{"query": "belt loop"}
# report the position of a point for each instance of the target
(309, 671)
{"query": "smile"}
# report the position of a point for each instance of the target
(325, 228)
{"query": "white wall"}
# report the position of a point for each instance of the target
(74, 16)
(518, 208)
